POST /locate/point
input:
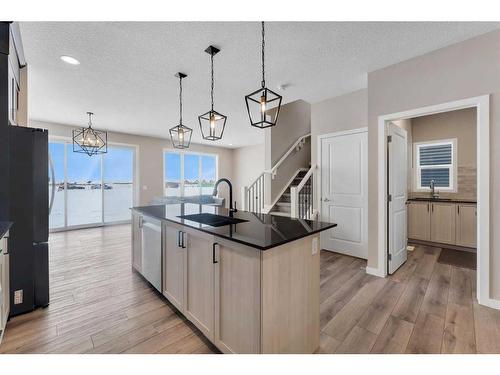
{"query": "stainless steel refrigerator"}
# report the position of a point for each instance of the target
(29, 210)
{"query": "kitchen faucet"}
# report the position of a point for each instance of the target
(231, 208)
(434, 194)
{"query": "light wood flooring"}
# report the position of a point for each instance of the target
(98, 305)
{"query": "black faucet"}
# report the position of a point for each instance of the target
(231, 208)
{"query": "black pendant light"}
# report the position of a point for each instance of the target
(90, 141)
(212, 123)
(263, 105)
(181, 134)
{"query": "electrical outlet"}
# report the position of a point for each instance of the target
(314, 245)
(18, 297)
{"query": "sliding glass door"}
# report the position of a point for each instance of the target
(118, 185)
(189, 174)
(90, 191)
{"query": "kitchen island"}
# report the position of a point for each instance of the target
(248, 281)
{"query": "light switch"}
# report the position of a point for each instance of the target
(314, 245)
(144, 187)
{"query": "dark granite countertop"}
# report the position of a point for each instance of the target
(261, 231)
(4, 227)
(443, 200)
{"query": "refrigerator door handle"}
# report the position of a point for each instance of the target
(52, 195)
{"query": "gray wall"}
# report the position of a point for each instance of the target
(463, 70)
(345, 112)
(294, 121)
(248, 164)
(150, 158)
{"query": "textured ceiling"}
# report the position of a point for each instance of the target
(126, 75)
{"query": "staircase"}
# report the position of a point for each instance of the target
(297, 197)
(283, 206)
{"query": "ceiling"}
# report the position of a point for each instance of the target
(126, 75)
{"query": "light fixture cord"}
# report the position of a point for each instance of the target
(212, 88)
(180, 99)
(90, 119)
(263, 46)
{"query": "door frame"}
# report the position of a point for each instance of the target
(320, 138)
(482, 104)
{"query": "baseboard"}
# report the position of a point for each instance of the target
(375, 272)
(492, 303)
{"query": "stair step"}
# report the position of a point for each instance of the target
(283, 204)
(279, 213)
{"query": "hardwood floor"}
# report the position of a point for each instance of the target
(425, 307)
(98, 305)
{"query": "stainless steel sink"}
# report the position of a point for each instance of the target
(212, 220)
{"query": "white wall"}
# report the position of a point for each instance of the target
(150, 158)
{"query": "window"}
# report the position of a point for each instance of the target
(436, 161)
(189, 174)
(90, 191)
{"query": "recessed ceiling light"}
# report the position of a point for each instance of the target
(70, 60)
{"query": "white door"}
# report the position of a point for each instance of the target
(344, 192)
(397, 148)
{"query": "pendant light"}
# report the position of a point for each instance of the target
(212, 123)
(181, 134)
(90, 141)
(263, 105)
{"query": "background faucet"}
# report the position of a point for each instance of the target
(231, 208)
(434, 194)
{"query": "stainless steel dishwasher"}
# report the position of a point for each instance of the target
(152, 251)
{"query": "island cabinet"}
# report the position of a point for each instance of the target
(173, 264)
(267, 301)
(243, 299)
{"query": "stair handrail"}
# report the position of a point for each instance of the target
(253, 194)
(300, 140)
(295, 191)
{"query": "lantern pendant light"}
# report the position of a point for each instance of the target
(181, 134)
(90, 141)
(263, 105)
(212, 123)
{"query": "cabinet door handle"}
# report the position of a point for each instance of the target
(432, 207)
(179, 238)
(427, 207)
(458, 209)
(183, 240)
(213, 253)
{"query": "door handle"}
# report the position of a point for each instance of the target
(427, 207)
(183, 236)
(326, 200)
(179, 238)
(213, 253)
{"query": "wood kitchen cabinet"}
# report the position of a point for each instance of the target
(419, 218)
(443, 223)
(199, 270)
(237, 298)
(466, 225)
(136, 241)
(174, 245)
(4, 283)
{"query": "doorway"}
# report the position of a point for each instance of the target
(482, 224)
(343, 160)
